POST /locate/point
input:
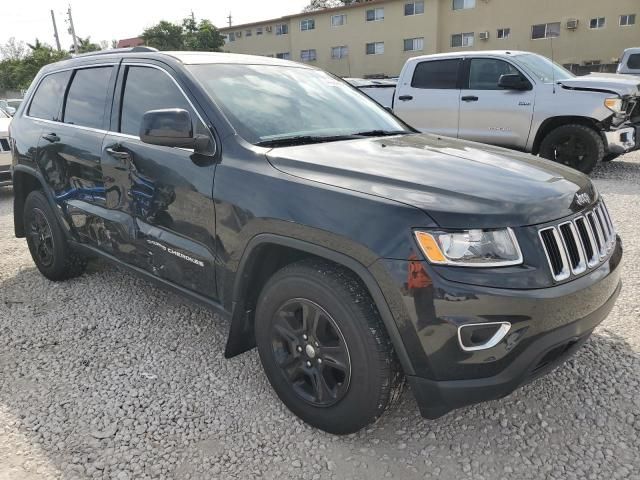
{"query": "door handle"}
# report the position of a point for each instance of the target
(51, 137)
(470, 98)
(118, 154)
(404, 98)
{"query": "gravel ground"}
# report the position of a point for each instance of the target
(107, 377)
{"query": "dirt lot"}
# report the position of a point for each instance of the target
(108, 377)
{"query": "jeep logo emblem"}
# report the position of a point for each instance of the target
(583, 199)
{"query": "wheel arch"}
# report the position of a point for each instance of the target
(267, 253)
(25, 180)
(552, 123)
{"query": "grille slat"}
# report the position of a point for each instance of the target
(574, 246)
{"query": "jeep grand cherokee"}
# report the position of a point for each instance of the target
(351, 250)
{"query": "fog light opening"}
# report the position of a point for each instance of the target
(482, 336)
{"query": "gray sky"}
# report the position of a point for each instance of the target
(115, 19)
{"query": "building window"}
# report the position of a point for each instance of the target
(462, 39)
(463, 4)
(375, 48)
(283, 56)
(413, 8)
(413, 44)
(338, 20)
(503, 33)
(375, 15)
(248, 33)
(626, 20)
(282, 29)
(308, 55)
(597, 22)
(232, 36)
(545, 30)
(259, 31)
(339, 52)
(308, 24)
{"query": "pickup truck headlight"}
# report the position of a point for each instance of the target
(470, 248)
(614, 104)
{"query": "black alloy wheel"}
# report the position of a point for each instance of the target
(576, 146)
(41, 237)
(311, 352)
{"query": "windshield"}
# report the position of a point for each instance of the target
(267, 103)
(2, 114)
(543, 68)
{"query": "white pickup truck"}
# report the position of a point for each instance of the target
(523, 101)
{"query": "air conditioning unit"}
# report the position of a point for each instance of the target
(269, 29)
(483, 35)
(572, 24)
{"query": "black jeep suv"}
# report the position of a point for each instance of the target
(353, 251)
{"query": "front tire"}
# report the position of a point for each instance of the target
(576, 146)
(324, 348)
(47, 243)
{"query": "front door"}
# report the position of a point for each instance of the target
(167, 192)
(489, 114)
(428, 98)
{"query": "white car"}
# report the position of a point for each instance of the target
(5, 150)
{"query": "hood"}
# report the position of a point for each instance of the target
(459, 184)
(4, 127)
(613, 83)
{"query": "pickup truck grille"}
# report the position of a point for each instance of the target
(572, 247)
(4, 145)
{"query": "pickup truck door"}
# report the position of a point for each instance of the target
(428, 96)
(489, 114)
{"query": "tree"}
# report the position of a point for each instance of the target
(190, 35)
(322, 4)
(13, 50)
(85, 45)
(17, 73)
(164, 36)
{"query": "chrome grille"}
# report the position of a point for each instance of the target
(574, 246)
(4, 145)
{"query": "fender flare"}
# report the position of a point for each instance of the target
(240, 328)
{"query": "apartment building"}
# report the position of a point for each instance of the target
(375, 37)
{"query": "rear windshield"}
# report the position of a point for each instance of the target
(634, 61)
(268, 102)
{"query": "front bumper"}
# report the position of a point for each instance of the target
(547, 326)
(5, 173)
(623, 140)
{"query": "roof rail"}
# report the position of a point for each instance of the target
(118, 50)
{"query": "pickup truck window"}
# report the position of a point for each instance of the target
(542, 68)
(46, 101)
(484, 73)
(437, 74)
(634, 61)
(268, 102)
(87, 97)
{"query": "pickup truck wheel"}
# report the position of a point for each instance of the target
(47, 243)
(577, 146)
(324, 348)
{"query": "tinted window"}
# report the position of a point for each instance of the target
(438, 74)
(634, 61)
(148, 89)
(87, 97)
(485, 73)
(48, 98)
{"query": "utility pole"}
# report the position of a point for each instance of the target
(229, 18)
(55, 30)
(72, 31)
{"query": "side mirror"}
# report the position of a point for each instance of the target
(514, 81)
(170, 127)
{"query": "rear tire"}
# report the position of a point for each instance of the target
(576, 146)
(338, 373)
(47, 243)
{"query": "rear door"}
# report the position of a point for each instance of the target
(489, 114)
(165, 191)
(428, 96)
(70, 146)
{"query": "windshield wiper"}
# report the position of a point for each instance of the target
(381, 133)
(303, 140)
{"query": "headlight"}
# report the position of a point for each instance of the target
(471, 248)
(614, 104)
